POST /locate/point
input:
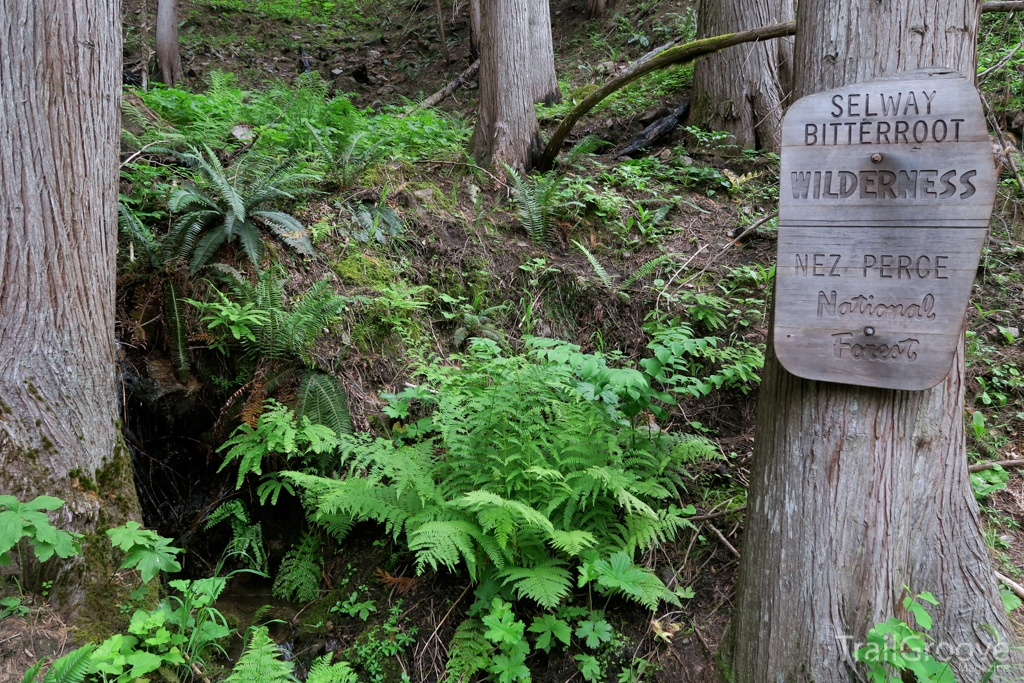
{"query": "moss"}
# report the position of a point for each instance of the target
(100, 616)
(4, 408)
(82, 480)
(583, 92)
(361, 270)
(47, 444)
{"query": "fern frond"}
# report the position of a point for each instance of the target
(322, 399)
(647, 268)
(177, 330)
(298, 578)
(261, 662)
(72, 667)
(586, 145)
(322, 671)
(547, 583)
(606, 279)
(468, 652)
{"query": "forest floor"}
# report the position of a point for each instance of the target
(461, 239)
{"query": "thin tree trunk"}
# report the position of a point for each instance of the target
(168, 53)
(741, 90)
(60, 95)
(474, 29)
(856, 492)
(544, 81)
(596, 8)
(506, 128)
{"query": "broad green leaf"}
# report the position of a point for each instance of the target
(548, 626)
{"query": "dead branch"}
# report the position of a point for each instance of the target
(1017, 589)
(454, 85)
(982, 466)
(1002, 6)
(716, 515)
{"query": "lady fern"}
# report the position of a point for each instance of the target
(261, 662)
(525, 465)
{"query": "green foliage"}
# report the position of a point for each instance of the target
(298, 578)
(261, 661)
(535, 196)
(29, 521)
(472, 320)
(225, 206)
(277, 432)
(177, 329)
(246, 536)
(374, 222)
(468, 652)
(267, 325)
(147, 551)
(549, 628)
(71, 668)
(382, 643)
(695, 366)
(894, 647)
(344, 154)
(594, 632)
(590, 668)
(987, 482)
(322, 671)
(322, 399)
(524, 463)
(354, 607)
(12, 605)
(608, 280)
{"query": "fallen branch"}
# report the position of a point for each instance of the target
(1004, 148)
(716, 515)
(680, 54)
(447, 90)
(982, 466)
(724, 541)
(1017, 589)
(1002, 6)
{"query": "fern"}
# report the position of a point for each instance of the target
(587, 145)
(534, 195)
(298, 578)
(322, 671)
(261, 662)
(71, 668)
(177, 330)
(468, 652)
(322, 399)
(607, 280)
(246, 537)
(525, 464)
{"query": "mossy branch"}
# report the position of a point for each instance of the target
(680, 54)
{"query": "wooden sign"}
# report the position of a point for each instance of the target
(886, 193)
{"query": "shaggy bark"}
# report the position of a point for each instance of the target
(506, 128)
(168, 53)
(742, 89)
(544, 86)
(60, 96)
(856, 492)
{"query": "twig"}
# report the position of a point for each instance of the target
(716, 515)
(139, 153)
(725, 541)
(732, 241)
(1003, 147)
(1000, 64)
(982, 466)
(1017, 589)
(1002, 6)
(437, 629)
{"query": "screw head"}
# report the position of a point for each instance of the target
(876, 158)
(869, 331)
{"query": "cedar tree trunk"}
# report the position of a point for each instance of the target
(506, 126)
(167, 52)
(855, 491)
(742, 89)
(474, 28)
(544, 81)
(60, 99)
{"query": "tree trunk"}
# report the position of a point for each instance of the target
(506, 127)
(742, 90)
(544, 84)
(167, 52)
(60, 96)
(474, 29)
(856, 492)
(596, 8)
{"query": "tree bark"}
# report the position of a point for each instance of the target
(742, 90)
(544, 86)
(60, 96)
(474, 29)
(506, 127)
(857, 492)
(168, 53)
(596, 8)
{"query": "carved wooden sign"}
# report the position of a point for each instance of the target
(886, 193)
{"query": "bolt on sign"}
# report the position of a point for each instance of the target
(886, 193)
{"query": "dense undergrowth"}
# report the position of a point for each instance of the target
(525, 391)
